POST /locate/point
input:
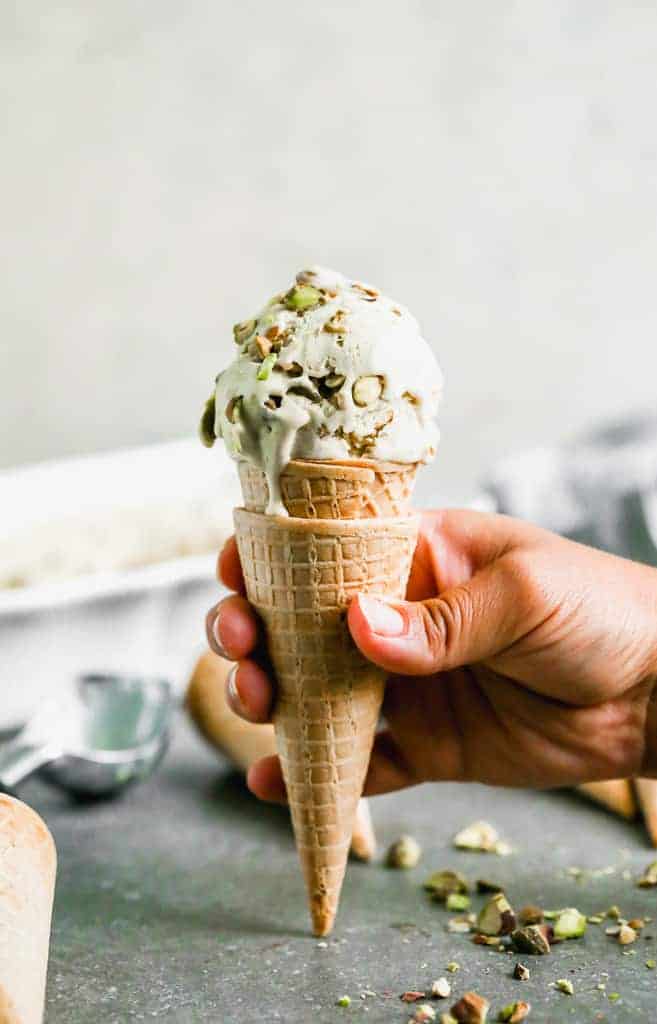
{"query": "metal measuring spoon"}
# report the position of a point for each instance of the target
(102, 733)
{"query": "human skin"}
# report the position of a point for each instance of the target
(518, 659)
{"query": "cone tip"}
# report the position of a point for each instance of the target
(323, 919)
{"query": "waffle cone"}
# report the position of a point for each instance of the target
(647, 793)
(300, 575)
(334, 490)
(616, 794)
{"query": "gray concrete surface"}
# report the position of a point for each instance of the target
(165, 166)
(183, 902)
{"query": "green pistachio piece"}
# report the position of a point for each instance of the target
(243, 330)
(441, 883)
(497, 916)
(206, 426)
(267, 366)
(457, 901)
(302, 297)
(565, 986)
(514, 1013)
(569, 924)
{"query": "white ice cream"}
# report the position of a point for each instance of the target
(330, 370)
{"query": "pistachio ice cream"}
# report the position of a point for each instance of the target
(331, 370)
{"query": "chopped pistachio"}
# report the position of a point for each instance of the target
(648, 879)
(267, 366)
(404, 853)
(302, 297)
(530, 915)
(569, 924)
(441, 989)
(613, 912)
(565, 986)
(424, 1013)
(626, 935)
(441, 883)
(233, 409)
(531, 939)
(453, 967)
(336, 324)
(460, 925)
(292, 369)
(206, 426)
(471, 1009)
(457, 901)
(243, 330)
(262, 345)
(480, 836)
(367, 390)
(515, 1013)
(344, 1001)
(613, 997)
(520, 972)
(497, 916)
(651, 964)
(595, 919)
(486, 940)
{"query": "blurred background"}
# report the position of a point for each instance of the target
(167, 166)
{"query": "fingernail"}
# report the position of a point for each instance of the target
(219, 647)
(382, 618)
(233, 694)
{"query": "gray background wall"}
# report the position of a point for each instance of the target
(167, 165)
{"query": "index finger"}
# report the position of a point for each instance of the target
(229, 568)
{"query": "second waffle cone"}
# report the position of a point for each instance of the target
(362, 489)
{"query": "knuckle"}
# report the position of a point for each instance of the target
(445, 621)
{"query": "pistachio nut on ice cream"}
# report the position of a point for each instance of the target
(329, 370)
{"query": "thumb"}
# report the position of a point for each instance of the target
(467, 623)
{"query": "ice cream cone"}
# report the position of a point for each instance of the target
(647, 793)
(243, 742)
(28, 863)
(361, 489)
(616, 794)
(300, 575)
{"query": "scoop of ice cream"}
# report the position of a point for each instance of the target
(330, 370)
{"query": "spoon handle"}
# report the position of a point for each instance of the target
(19, 759)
